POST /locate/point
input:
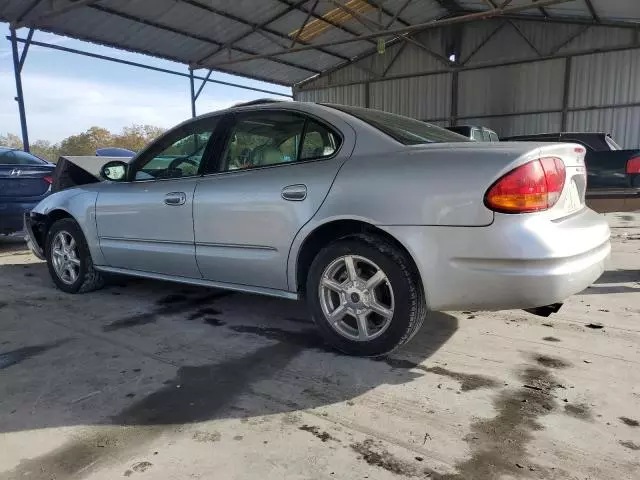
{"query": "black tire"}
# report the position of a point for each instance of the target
(89, 279)
(410, 305)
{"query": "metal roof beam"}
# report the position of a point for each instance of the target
(200, 38)
(404, 30)
(388, 13)
(575, 21)
(304, 24)
(153, 68)
(302, 9)
(255, 27)
(27, 11)
(525, 38)
(592, 11)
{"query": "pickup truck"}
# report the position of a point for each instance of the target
(613, 174)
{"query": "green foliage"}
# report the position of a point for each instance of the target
(133, 138)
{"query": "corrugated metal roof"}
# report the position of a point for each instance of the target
(203, 33)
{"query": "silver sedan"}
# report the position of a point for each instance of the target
(372, 218)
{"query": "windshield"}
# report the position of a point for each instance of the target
(403, 129)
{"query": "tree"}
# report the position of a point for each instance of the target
(10, 140)
(135, 138)
(46, 150)
(86, 143)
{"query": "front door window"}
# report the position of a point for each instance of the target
(180, 159)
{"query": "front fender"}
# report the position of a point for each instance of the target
(79, 203)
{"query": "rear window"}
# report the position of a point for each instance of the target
(403, 129)
(18, 157)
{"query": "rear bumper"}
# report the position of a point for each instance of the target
(517, 262)
(12, 214)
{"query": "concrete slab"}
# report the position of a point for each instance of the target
(155, 380)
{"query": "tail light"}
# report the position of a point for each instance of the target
(633, 166)
(48, 179)
(532, 187)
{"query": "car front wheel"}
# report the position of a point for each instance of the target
(69, 260)
(365, 295)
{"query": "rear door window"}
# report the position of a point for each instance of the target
(268, 138)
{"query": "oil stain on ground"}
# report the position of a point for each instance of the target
(467, 381)
(14, 357)
(630, 445)
(630, 422)
(169, 305)
(315, 431)
(375, 454)
(581, 411)
(204, 391)
(499, 445)
(551, 362)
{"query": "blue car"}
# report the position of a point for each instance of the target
(24, 180)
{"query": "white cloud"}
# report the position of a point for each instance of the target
(58, 106)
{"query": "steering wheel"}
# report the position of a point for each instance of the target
(179, 161)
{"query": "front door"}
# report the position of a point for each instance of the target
(275, 173)
(146, 223)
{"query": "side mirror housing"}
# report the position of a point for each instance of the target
(114, 171)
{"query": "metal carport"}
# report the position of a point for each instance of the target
(515, 65)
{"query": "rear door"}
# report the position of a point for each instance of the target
(275, 172)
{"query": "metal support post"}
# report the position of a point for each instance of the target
(193, 93)
(453, 120)
(565, 94)
(17, 69)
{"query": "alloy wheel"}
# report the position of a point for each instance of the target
(64, 256)
(356, 298)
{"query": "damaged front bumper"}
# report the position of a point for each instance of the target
(34, 228)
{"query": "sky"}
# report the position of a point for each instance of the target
(65, 93)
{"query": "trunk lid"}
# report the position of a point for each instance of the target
(24, 181)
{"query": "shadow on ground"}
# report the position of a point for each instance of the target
(263, 348)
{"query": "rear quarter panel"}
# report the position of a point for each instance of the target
(439, 184)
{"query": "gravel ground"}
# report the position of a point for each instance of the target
(155, 380)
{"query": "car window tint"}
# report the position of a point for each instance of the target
(403, 129)
(263, 138)
(180, 159)
(18, 157)
(318, 142)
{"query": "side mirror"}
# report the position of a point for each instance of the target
(115, 171)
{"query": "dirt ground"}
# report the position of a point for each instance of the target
(155, 380)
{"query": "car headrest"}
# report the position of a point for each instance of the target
(266, 155)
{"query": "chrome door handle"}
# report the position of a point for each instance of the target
(294, 193)
(175, 198)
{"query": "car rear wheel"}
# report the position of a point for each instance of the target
(69, 259)
(365, 296)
